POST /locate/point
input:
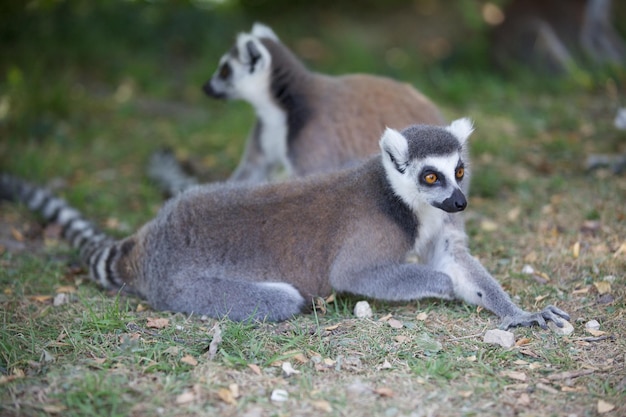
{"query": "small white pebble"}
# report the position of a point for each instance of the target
(609, 278)
(60, 299)
(279, 395)
(288, 370)
(592, 325)
(527, 269)
(567, 328)
(620, 119)
(363, 310)
(499, 337)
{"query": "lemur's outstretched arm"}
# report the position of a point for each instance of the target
(473, 284)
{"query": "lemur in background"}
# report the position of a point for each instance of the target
(306, 122)
(261, 252)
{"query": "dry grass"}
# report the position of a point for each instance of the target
(532, 203)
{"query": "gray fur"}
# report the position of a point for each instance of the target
(263, 252)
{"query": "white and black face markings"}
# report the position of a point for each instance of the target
(431, 176)
(246, 58)
(425, 164)
(440, 180)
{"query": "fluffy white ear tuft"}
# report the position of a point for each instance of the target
(395, 147)
(461, 128)
(263, 31)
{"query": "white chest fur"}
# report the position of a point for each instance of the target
(273, 133)
(429, 228)
(272, 137)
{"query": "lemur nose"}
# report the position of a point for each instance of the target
(460, 204)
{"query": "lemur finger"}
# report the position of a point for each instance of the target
(558, 312)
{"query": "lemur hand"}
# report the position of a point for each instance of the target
(526, 319)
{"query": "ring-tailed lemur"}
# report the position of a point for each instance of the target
(262, 252)
(306, 122)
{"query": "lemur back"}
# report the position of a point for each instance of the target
(306, 122)
(254, 252)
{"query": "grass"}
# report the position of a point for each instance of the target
(87, 127)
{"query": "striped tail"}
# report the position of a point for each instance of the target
(97, 250)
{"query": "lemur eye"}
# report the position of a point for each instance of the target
(225, 71)
(460, 172)
(430, 178)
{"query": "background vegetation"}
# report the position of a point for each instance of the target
(89, 89)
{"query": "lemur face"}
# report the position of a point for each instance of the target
(438, 180)
(243, 72)
(425, 166)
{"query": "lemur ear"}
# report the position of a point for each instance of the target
(263, 31)
(395, 147)
(254, 55)
(461, 129)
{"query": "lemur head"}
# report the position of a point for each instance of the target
(426, 165)
(245, 69)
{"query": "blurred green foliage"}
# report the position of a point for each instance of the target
(69, 70)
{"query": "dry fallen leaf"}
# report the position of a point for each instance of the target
(254, 368)
(465, 394)
(576, 250)
(384, 392)
(54, 409)
(385, 317)
(40, 298)
(330, 299)
(17, 235)
(603, 287)
(489, 225)
(5, 379)
(621, 250)
(140, 308)
(226, 395)
(584, 290)
(513, 214)
(186, 397)
(322, 405)
(70, 289)
(333, 327)
(157, 323)
(518, 376)
(596, 333)
(523, 399)
(523, 341)
(604, 407)
(422, 316)
(396, 324)
(189, 360)
(329, 362)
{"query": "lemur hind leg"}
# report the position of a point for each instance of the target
(237, 300)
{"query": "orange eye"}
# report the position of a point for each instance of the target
(460, 172)
(430, 178)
